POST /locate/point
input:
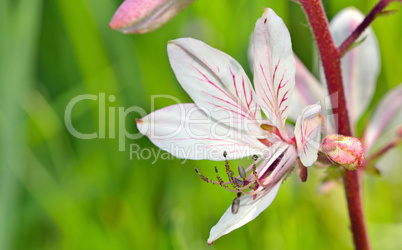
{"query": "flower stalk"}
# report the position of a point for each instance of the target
(375, 12)
(331, 61)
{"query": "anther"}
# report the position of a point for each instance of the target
(239, 182)
(235, 205)
(230, 175)
(255, 157)
(225, 154)
(242, 172)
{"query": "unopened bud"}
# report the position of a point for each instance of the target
(343, 150)
(399, 131)
(141, 16)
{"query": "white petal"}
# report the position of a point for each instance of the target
(216, 82)
(388, 115)
(307, 91)
(360, 66)
(274, 67)
(140, 16)
(308, 134)
(186, 131)
(249, 209)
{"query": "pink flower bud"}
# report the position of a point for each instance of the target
(343, 150)
(399, 131)
(141, 16)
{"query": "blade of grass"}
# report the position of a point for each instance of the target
(20, 30)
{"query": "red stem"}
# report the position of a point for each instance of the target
(366, 22)
(379, 153)
(331, 61)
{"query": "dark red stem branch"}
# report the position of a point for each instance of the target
(366, 22)
(380, 152)
(331, 61)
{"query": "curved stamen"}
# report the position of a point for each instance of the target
(220, 183)
(261, 178)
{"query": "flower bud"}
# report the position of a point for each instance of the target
(141, 16)
(399, 131)
(343, 150)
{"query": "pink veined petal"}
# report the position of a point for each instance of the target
(307, 91)
(250, 208)
(387, 115)
(274, 67)
(248, 211)
(308, 134)
(185, 131)
(360, 66)
(217, 83)
(141, 16)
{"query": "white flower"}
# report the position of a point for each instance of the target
(225, 119)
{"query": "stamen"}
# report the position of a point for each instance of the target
(230, 173)
(202, 176)
(236, 204)
(218, 177)
(226, 163)
(239, 182)
(255, 174)
(242, 172)
(221, 183)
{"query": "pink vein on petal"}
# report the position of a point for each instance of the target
(255, 110)
(229, 110)
(220, 99)
(266, 81)
(283, 110)
(234, 82)
(284, 98)
(280, 85)
(200, 138)
(244, 92)
(276, 67)
(270, 107)
(312, 131)
(222, 145)
(251, 99)
(213, 84)
(210, 82)
(234, 105)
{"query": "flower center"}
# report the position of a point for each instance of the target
(243, 184)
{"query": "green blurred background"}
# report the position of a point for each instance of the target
(61, 192)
